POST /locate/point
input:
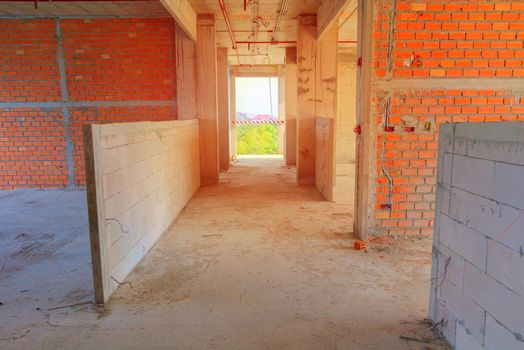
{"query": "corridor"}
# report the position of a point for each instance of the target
(254, 263)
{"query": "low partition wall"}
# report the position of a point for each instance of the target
(139, 177)
(477, 295)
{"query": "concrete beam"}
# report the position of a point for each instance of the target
(329, 12)
(183, 13)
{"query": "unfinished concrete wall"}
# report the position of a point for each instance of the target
(345, 138)
(140, 176)
(434, 62)
(58, 74)
(477, 296)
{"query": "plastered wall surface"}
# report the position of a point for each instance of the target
(434, 62)
(56, 75)
(140, 176)
(477, 295)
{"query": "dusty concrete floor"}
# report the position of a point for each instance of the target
(255, 263)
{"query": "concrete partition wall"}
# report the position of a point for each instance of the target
(139, 177)
(477, 296)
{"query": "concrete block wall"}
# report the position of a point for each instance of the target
(435, 62)
(140, 176)
(477, 295)
(58, 74)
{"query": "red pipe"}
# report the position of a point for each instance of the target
(68, 0)
(286, 42)
(266, 42)
(228, 22)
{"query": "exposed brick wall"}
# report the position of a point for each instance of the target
(28, 70)
(452, 39)
(119, 59)
(120, 69)
(431, 42)
(32, 148)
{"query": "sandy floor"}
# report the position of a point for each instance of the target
(255, 263)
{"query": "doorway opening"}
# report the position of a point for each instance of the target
(259, 125)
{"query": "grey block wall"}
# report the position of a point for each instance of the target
(477, 293)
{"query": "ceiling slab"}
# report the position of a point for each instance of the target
(83, 9)
(244, 29)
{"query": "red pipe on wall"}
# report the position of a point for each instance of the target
(286, 42)
(266, 42)
(228, 22)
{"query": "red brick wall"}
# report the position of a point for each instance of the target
(119, 59)
(444, 39)
(119, 70)
(432, 43)
(32, 148)
(28, 70)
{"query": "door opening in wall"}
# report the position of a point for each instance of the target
(259, 125)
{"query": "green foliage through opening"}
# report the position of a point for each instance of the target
(257, 139)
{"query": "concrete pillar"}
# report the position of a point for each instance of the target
(223, 108)
(207, 107)
(361, 226)
(291, 106)
(306, 56)
(233, 115)
(345, 138)
(185, 76)
(281, 109)
(326, 107)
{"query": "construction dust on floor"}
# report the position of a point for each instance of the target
(254, 263)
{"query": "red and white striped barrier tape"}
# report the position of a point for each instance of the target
(241, 122)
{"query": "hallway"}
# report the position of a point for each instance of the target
(256, 263)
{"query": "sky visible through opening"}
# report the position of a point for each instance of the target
(252, 95)
(256, 106)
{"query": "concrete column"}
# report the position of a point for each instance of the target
(223, 108)
(362, 225)
(291, 106)
(326, 107)
(185, 76)
(345, 138)
(233, 115)
(207, 107)
(281, 109)
(306, 57)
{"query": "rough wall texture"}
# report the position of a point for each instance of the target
(435, 62)
(477, 296)
(58, 74)
(141, 177)
(345, 137)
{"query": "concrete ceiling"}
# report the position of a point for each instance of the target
(82, 8)
(242, 21)
(268, 10)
